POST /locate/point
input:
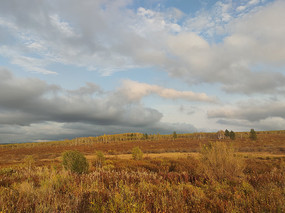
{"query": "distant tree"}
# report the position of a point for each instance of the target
(227, 133)
(252, 135)
(145, 136)
(137, 153)
(75, 162)
(174, 135)
(232, 135)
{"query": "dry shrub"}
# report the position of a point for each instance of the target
(135, 165)
(221, 162)
(133, 186)
(137, 153)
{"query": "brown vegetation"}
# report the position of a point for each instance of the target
(218, 179)
(270, 142)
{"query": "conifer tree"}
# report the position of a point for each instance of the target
(227, 133)
(232, 135)
(174, 135)
(252, 135)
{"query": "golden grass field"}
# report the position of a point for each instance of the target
(268, 144)
(191, 173)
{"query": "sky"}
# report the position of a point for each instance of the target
(74, 68)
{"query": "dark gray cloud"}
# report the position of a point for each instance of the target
(262, 115)
(253, 110)
(31, 109)
(271, 123)
(26, 101)
(59, 131)
(161, 127)
(89, 89)
(260, 82)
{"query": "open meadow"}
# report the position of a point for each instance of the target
(183, 173)
(121, 106)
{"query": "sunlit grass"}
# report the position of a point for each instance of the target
(221, 179)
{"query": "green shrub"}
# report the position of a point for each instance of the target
(75, 161)
(137, 153)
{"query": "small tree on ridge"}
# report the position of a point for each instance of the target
(227, 133)
(232, 135)
(252, 135)
(174, 135)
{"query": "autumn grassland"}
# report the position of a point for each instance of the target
(178, 173)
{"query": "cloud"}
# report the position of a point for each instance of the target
(153, 21)
(135, 91)
(26, 101)
(48, 131)
(247, 5)
(272, 123)
(161, 128)
(238, 63)
(187, 110)
(104, 36)
(261, 82)
(31, 109)
(253, 113)
(252, 110)
(89, 89)
(26, 62)
(221, 46)
(236, 46)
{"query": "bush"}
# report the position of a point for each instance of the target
(75, 161)
(137, 153)
(221, 162)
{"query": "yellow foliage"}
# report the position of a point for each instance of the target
(221, 162)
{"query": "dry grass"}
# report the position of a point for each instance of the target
(267, 142)
(149, 185)
(221, 161)
(173, 176)
(172, 155)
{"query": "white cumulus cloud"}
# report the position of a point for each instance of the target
(136, 91)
